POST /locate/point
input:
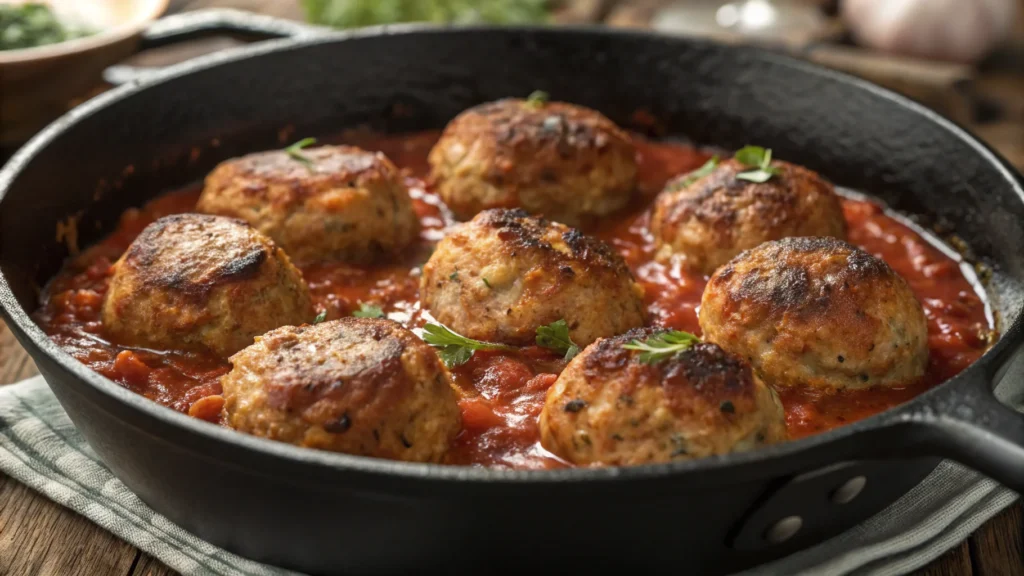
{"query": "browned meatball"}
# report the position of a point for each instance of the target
(713, 218)
(197, 282)
(608, 408)
(817, 312)
(558, 160)
(356, 385)
(503, 274)
(343, 204)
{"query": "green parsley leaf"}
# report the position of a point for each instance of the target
(320, 317)
(453, 355)
(295, 152)
(486, 283)
(537, 99)
(455, 349)
(699, 173)
(757, 176)
(555, 336)
(760, 160)
(368, 311)
(662, 346)
(752, 156)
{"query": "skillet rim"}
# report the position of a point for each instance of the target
(27, 330)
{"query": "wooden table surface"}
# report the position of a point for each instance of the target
(38, 537)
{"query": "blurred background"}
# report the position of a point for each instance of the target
(964, 58)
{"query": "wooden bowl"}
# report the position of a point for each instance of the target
(39, 84)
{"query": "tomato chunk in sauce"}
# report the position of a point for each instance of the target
(501, 394)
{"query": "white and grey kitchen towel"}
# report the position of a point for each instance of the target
(41, 448)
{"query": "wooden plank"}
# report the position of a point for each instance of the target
(1006, 137)
(581, 11)
(939, 85)
(40, 538)
(633, 14)
(956, 562)
(15, 364)
(37, 536)
(149, 566)
(997, 548)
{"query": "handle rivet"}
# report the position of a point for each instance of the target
(849, 490)
(784, 529)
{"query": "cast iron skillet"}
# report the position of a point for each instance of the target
(333, 513)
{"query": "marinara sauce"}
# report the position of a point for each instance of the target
(501, 394)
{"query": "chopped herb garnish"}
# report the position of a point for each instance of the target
(486, 283)
(555, 336)
(727, 407)
(320, 317)
(699, 173)
(760, 160)
(455, 349)
(295, 152)
(368, 311)
(662, 346)
(537, 99)
(454, 275)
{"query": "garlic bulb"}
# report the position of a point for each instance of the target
(957, 30)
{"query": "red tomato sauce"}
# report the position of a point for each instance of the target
(501, 394)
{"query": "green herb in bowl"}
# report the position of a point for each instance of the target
(31, 25)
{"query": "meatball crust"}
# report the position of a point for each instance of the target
(558, 160)
(197, 282)
(817, 312)
(344, 204)
(608, 408)
(356, 385)
(503, 274)
(714, 218)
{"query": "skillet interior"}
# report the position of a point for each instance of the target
(856, 136)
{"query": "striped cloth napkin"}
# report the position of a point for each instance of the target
(41, 448)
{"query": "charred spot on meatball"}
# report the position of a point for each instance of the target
(817, 312)
(357, 385)
(197, 282)
(609, 408)
(559, 160)
(504, 274)
(708, 220)
(333, 203)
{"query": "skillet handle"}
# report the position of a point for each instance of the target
(970, 425)
(204, 23)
